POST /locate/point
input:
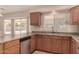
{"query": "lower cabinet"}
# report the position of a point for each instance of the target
(46, 43)
(54, 44)
(33, 43)
(74, 46)
(1, 48)
(66, 45)
(13, 50)
(39, 44)
(10, 47)
(77, 47)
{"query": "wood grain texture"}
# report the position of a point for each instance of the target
(12, 47)
(11, 43)
(35, 18)
(32, 43)
(1, 48)
(13, 50)
(74, 15)
(55, 44)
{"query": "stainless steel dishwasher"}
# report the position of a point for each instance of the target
(25, 44)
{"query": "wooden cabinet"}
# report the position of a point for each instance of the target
(43, 43)
(54, 44)
(74, 15)
(65, 45)
(46, 43)
(13, 50)
(12, 47)
(74, 46)
(35, 18)
(11, 43)
(33, 43)
(77, 47)
(39, 42)
(1, 48)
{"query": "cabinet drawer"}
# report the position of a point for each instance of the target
(13, 50)
(11, 43)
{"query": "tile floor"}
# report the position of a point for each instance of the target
(40, 52)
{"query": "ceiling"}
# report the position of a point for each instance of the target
(49, 8)
(41, 8)
(14, 8)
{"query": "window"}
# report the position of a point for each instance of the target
(23, 26)
(15, 27)
(7, 27)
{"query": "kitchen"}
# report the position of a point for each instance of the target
(49, 29)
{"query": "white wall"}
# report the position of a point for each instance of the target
(14, 15)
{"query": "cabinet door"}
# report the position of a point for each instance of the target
(46, 43)
(74, 13)
(77, 48)
(74, 47)
(66, 46)
(56, 44)
(11, 43)
(39, 42)
(35, 18)
(33, 43)
(13, 50)
(12, 47)
(1, 48)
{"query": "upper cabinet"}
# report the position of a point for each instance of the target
(74, 15)
(35, 18)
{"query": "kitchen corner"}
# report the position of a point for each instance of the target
(50, 29)
(14, 44)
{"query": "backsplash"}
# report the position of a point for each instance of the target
(60, 23)
(46, 24)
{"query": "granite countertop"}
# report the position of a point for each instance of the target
(75, 36)
(9, 38)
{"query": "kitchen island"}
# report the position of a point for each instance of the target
(12, 45)
(63, 43)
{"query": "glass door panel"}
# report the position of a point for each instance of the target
(7, 28)
(23, 27)
(17, 29)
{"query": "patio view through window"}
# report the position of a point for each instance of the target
(15, 27)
